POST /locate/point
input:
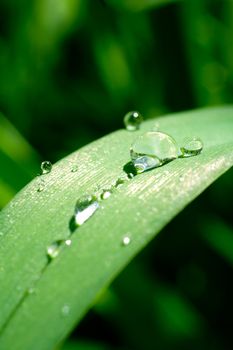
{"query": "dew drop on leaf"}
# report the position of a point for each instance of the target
(181, 178)
(68, 242)
(46, 167)
(152, 149)
(65, 310)
(41, 185)
(106, 194)
(130, 175)
(54, 249)
(155, 127)
(133, 120)
(74, 168)
(85, 207)
(119, 182)
(31, 290)
(192, 146)
(126, 240)
(144, 163)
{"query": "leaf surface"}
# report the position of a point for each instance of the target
(41, 301)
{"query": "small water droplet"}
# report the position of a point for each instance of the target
(85, 207)
(130, 170)
(133, 120)
(181, 178)
(46, 167)
(106, 194)
(119, 182)
(74, 168)
(155, 127)
(31, 290)
(192, 146)
(54, 249)
(153, 149)
(144, 163)
(41, 185)
(130, 175)
(68, 242)
(126, 240)
(65, 310)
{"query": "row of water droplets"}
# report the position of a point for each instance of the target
(85, 207)
(149, 150)
(155, 148)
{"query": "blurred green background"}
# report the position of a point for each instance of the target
(69, 71)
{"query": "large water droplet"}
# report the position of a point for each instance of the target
(46, 167)
(54, 249)
(106, 194)
(133, 120)
(85, 208)
(153, 149)
(192, 147)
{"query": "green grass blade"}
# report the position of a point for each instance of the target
(219, 237)
(140, 208)
(138, 5)
(69, 345)
(16, 157)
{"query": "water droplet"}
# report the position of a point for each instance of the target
(119, 182)
(74, 168)
(106, 194)
(85, 208)
(31, 290)
(133, 120)
(130, 175)
(181, 178)
(46, 167)
(41, 185)
(130, 170)
(68, 242)
(192, 147)
(65, 310)
(126, 240)
(153, 149)
(146, 162)
(155, 127)
(54, 249)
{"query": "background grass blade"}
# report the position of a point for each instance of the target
(16, 157)
(38, 292)
(138, 5)
(219, 236)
